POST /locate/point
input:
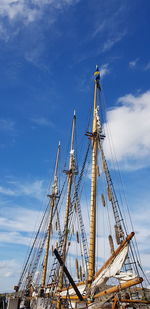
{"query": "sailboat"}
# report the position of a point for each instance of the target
(63, 268)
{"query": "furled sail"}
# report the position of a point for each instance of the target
(112, 269)
(71, 291)
(125, 276)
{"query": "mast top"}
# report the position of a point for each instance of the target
(73, 132)
(97, 77)
(56, 162)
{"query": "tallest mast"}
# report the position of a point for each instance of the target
(91, 268)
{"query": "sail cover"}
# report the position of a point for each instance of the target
(110, 271)
(125, 276)
(71, 291)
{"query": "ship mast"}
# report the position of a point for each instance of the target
(70, 173)
(93, 136)
(53, 196)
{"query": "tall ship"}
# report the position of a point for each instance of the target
(83, 254)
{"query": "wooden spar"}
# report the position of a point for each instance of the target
(115, 253)
(53, 198)
(70, 174)
(108, 262)
(114, 289)
(114, 305)
(135, 301)
(120, 287)
(68, 275)
(91, 264)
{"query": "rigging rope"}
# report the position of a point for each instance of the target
(25, 267)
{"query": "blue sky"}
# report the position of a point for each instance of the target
(48, 51)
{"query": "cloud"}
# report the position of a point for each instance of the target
(113, 16)
(7, 125)
(7, 267)
(14, 238)
(29, 21)
(29, 11)
(18, 9)
(110, 42)
(142, 233)
(133, 63)
(136, 63)
(18, 219)
(10, 270)
(42, 122)
(7, 191)
(147, 66)
(4, 35)
(130, 126)
(33, 189)
(15, 219)
(104, 70)
(100, 28)
(108, 26)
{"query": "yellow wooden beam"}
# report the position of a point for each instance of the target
(114, 289)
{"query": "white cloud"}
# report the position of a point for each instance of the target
(142, 232)
(7, 125)
(133, 63)
(100, 28)
(104, 70)
(130, 126)
(147, 66)
(110, 24)
(110, 42)
(14, 9)
(14, 219)
(7, 267)
(4, 35)
(18, 219)
(33, 189)
(10, 270)
(113, 17)
(14, 238)
(41, 121)
(7, 191)
(27, 11)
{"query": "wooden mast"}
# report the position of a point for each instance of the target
(91, 265)
(70, 174)
(53, 196)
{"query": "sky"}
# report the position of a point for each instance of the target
(48, 53)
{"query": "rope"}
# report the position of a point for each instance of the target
(25, 267)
